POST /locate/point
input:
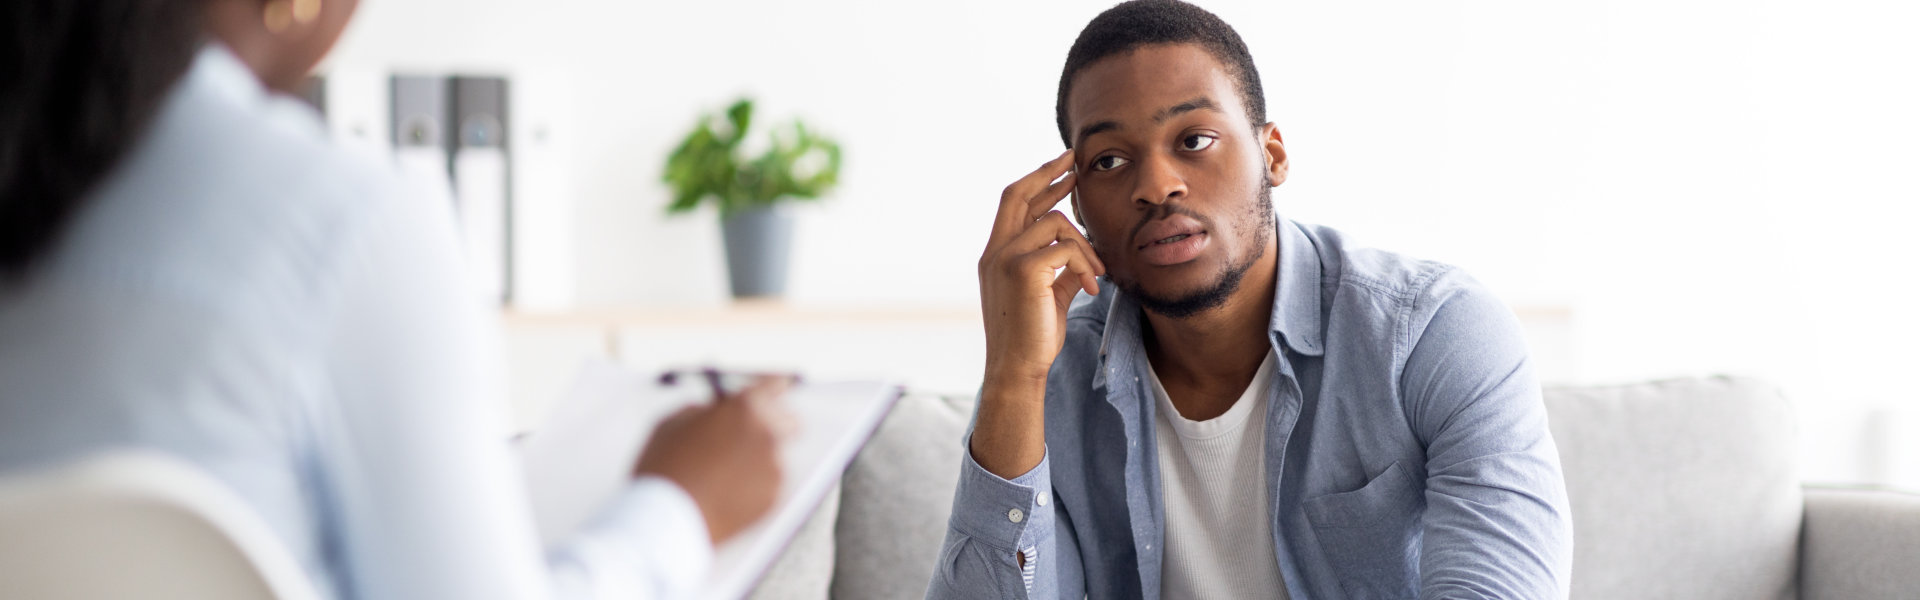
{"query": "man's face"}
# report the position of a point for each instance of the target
(1173, 179)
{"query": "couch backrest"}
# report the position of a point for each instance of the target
(895, 498)
(1680, 489)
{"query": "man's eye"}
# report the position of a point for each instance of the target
(1197, 142)
(1108, 163)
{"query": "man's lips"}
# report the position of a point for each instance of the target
(1170, 226)
(1172, 240)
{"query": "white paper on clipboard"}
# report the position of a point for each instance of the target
(582, 457)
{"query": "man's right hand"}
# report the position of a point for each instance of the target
(1024, 296)
(725, 455)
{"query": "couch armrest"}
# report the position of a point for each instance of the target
(1858, 543)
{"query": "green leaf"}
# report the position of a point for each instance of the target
(798, 164)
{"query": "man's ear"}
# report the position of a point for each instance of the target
(1276, 154)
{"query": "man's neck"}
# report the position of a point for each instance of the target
(1207, 359)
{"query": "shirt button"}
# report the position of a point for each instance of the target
(1015, 515)
(1040, 498)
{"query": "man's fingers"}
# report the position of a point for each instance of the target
(1074, 272)
(1054, 230)
(1069, 284)
(1044, 202)
(1067, 256)
(1012, 217)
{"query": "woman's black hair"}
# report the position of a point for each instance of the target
(80, 81)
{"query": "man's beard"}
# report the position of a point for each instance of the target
(1255, 227)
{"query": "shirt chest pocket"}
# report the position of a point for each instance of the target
(1370, 537)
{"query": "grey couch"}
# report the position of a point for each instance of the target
(1680, 489)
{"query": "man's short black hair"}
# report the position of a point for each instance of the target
(1129, 25)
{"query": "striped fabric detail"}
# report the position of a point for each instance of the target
(1026, 572)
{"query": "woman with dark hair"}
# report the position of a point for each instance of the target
(188, 265)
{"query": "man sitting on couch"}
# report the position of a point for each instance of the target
(1245, 407)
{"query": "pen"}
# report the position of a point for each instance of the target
(717, 379)
(713, 379)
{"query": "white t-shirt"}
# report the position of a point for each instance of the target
(1219, 537)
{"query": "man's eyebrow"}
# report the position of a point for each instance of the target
(1093, 128)
(1200, 103)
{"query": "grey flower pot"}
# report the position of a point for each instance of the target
(757, 240)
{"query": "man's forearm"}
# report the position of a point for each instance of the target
(1009, 433)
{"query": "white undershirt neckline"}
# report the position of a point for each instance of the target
(1228, 422)
(1218, 533)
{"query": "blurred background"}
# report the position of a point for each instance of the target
(1658, 188)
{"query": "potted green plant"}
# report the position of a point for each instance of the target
(708, 165)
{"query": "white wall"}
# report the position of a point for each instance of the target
(1709, 185)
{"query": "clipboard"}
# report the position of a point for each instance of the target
(583, 456)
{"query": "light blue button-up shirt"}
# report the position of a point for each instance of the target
(244, 295)
(1407, 450)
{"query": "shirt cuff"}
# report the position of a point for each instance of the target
(1007, 514)
(651, 539)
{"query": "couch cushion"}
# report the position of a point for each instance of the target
(895, 500)
(1680, 489)
(805, 568)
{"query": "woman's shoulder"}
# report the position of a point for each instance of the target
(233, 197)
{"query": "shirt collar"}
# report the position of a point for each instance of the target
(1120, 335)
(219, 77)
(1296, 291)
(217, 68)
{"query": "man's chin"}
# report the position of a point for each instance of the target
(1182, 301)
(1184, 290)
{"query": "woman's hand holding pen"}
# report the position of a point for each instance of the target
(725, 454)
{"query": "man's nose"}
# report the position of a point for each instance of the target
(1159, 180)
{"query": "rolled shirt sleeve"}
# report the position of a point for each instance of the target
(1497, 523)
(994, 519)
